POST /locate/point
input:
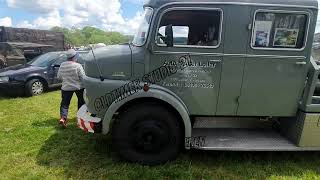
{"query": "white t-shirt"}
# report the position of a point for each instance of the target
(71, 73)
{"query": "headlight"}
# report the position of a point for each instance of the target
(85, 97)
(4, 79)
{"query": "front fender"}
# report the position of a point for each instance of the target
(35, 75)
(157, 93)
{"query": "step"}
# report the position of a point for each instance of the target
(231, 122)
(244, 140)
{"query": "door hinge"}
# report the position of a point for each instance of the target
(301, 63)
(238, 99)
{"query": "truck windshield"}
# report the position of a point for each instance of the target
(142, 34)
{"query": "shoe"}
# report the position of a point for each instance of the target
(63, 122)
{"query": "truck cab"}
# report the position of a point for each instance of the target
(210, 75)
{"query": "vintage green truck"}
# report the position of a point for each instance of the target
(207, 74)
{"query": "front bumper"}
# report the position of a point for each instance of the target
(88, 122)
(11, 87)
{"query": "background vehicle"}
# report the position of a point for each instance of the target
(36, 76)
(13, 53)
(30, 43)
(50, 38)
(248, 86)
(10, 55)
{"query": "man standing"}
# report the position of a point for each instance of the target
(71, 74)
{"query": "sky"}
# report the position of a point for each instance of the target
(111, 15)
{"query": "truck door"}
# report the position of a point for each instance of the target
(235, 41)
(276, 64)
(197, 36)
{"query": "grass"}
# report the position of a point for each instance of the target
(32, 146)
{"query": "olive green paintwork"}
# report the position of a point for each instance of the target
(235, 80)
(233, 66)
(110, 59)
(313, 79)
(303, 129)
(95, 88)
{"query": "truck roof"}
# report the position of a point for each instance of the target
(291, 3)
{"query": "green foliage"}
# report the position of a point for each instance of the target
(91, 35)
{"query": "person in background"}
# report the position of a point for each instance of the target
(71, 73)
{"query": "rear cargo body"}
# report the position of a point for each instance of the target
(55, 39)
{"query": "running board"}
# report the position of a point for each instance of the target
(232, 122)
(243, 140)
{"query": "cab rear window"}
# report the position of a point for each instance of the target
(279, 30)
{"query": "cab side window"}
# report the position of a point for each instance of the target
(190, 28)
(180, 35)
(279, 30)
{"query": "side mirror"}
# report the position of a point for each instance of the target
(55, 65)
(169, 36)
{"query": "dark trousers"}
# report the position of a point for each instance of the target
(66, 99)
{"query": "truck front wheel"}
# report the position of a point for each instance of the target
(148, 134)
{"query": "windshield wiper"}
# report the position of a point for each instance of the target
(95, 60)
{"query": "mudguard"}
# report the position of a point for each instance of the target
(156, 92)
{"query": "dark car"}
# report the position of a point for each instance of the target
(35, 77)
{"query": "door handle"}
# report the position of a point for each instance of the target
(301, 63)
(215, 61)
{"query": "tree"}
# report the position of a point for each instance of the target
(91, 35)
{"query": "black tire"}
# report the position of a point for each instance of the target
(148, 134)
(34, 87)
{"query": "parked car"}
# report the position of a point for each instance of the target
(36, 76)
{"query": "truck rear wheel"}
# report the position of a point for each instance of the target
(148, 134)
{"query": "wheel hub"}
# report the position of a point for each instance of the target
(37, 88)
(150, 136)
